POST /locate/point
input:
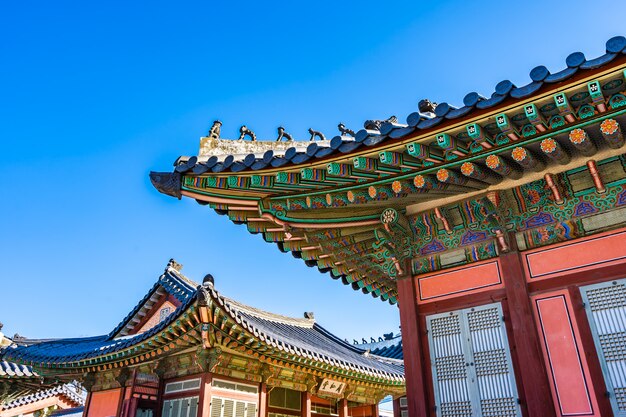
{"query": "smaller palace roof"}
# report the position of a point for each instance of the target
(71, 392)
(388, 347)
(297, 337)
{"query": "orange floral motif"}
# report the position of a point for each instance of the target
(396, 186)
(493, 161)
(548, 145)
(350, 196)
(577, 136)
(329, 199)
(519, 153)
(609, 126)
(419, 181)
(443, 175)
(371, 190)
(467, 168)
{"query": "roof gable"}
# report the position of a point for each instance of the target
(167, 295)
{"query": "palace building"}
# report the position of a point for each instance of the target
(498, 228)
(185, 350)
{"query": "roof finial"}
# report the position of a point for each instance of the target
(208, 280)
(174, 265)
(282, 134)
(309, 315)
(246, 132)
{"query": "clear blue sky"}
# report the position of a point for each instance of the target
(94, 95)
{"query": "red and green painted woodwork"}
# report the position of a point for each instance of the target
(506, 126)
(554, 151)
(597, 98)
(612, 133)
(451, 177)
(480, 139)
(565, 109)
(526, 159)
(425, 153)
(472, 170)
(582, 142)
(451, 147)
(398, 159)
(535, 118)
(363, 163)
(502, 167)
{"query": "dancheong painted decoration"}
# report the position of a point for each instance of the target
(498, 227)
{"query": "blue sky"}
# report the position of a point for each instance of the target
(94, 95)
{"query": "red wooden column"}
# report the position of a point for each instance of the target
(87, 403)
(375, 410)
(343, 407)
(263, 399)
(396, 408)
(204, 401)
(412, 348)
(306, 404)
(532, 369)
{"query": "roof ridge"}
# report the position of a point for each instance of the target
(267, 315)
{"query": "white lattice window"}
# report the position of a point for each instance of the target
(606, 309)
(226, 407)
(180, 407)
(179, 386)
(471, 362)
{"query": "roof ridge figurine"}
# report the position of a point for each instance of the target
(283, 134)
(345, 131)
(215, 130)
(315, 133)
(246, 132)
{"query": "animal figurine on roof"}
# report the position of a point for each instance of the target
(315, 133)
(246, 132)
(282, 134)
(214, 132)
(426, 106)
(376, 124)
(345, 131)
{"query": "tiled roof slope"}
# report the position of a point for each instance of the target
(307, 338)
(69, 412)
(14, 370)
(540, 77)
(388, 348)
(70, 391)
(302, 337)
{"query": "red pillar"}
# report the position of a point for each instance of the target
(534, 378)
(263, 400)
(375, 410)
(396, 408)
(306, 404)
(412, 348)
(204, 401)
(343, 407)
